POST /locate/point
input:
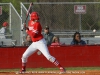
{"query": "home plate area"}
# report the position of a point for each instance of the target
(87, 72)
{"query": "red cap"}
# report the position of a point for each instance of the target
(5, 24)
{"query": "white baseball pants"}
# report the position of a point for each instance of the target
(39, 45)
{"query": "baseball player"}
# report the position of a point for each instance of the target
(3, 30)
(34, 29)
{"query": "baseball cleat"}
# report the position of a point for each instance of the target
(62, 70)
(22, 71)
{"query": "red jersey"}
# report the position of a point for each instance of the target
(35, 30)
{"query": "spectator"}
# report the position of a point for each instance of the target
(48, 36)
(28, 41)
(56, 41)
(77, 39)
(3, 30)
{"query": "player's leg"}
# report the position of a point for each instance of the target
(29, 51)
(44, 49)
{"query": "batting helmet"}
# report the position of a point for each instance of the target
(5, 24)
(34, 16)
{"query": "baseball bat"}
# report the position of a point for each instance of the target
(28, 12)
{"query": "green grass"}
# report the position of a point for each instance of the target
(52, 69)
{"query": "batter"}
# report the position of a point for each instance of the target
(34, 29)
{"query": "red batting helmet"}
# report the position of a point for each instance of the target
(5, 24)
(34, 16)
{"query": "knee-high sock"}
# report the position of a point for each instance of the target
(57, 64)
(23, 66)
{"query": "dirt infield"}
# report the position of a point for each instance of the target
(87, 72)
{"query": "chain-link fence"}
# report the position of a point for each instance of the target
(60, 16)
(16, 25)
(23, 16)
(64, 18)
(4, 13)
(10, 15)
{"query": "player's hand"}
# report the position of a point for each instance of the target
(27, 29)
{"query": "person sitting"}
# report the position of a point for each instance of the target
(48, 36)
(3, 30)
(77, 39)
(56, 41)
(28, 41)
